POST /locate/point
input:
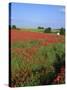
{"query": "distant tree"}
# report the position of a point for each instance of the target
(14, 27)
(62, 31)
(48, 30)
(40, 27)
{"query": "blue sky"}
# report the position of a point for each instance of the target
(34, 15)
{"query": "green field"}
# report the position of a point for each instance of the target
(36, 66)
(38, 30)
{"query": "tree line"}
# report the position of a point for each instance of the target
(46, 30)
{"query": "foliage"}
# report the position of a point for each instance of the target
(41, 69)
(39, 27)
(62, 31)
(48, 30)
(25, 44)
(14, 27)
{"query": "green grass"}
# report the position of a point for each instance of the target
(25, 44)
(33, 30)
(40, 68)
(38, 30)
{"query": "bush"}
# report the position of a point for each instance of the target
(62, 31)
(48, 30)
(40, 27)
(14, 27)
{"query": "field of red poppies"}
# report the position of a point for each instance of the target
(17, 35)
(37, 58)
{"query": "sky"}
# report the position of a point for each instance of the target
(25, 15)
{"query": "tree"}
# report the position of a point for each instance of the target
(40, 27)
(14, 27)
(48, 30)
(62, 31)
